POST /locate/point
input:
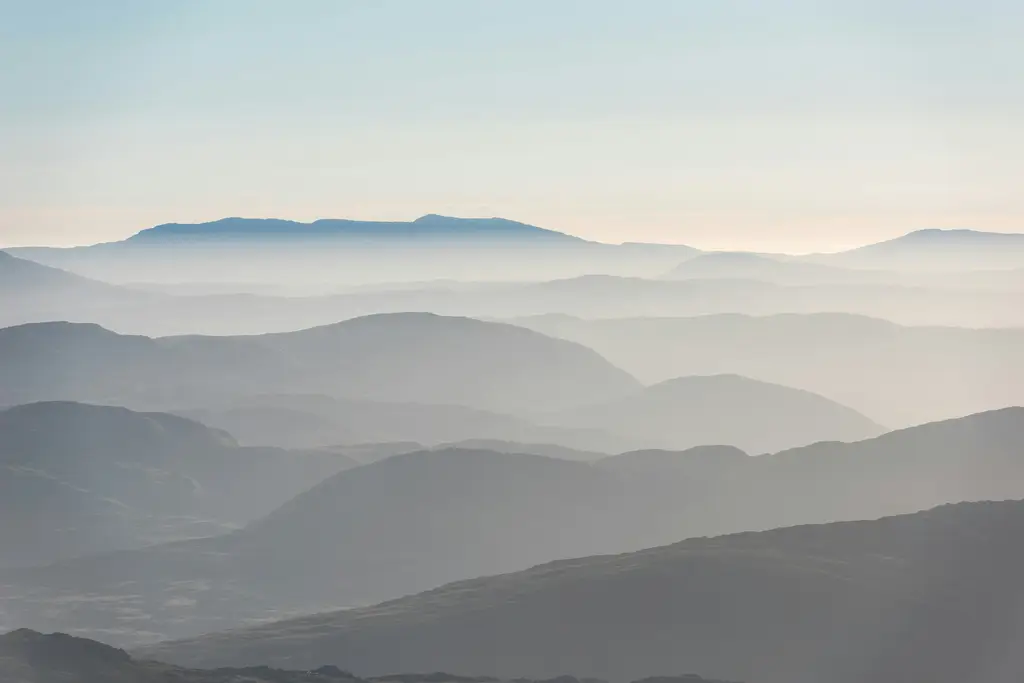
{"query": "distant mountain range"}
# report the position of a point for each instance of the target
(708, 284)
(933, 596)
(340, 251)
(31, 657)
(415, 521)
(432, 227)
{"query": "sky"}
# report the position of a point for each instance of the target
(766, 124)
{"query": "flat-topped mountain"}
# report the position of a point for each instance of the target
(78, 479)
(754, 416)
(933, 596)
(428, 227)
(334, 252)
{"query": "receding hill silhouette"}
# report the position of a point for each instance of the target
(896, 375)
(547, 450)
(31, 657)
(23, 279)
(414, 521)
(933, 596)
(30, 291)
(985, 299)
(430, 358)
(81, 479)
(397, 526)
(934, 249)
(302, 421)
(741, 265)
(755, 416)
(409, 357)
(688, 462)
(605, 296)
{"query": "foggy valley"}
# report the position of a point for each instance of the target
(511, 342)
(159, 488)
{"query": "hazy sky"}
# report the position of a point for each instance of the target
(762, 124)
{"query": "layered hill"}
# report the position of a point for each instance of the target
(30, 291)
(397, 526)
(754, 416)
(740, 265)
(934, 249)
(83, 479)
(412, 522)
(933, 596)
(894, 374)
(303, 421)
(408, 357)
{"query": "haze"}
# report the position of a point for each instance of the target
(777, 126)
(511, 342)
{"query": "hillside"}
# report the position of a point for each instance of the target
(84, 479)
(34, 281)
(400, 525)
(754, 416)
(414, 521)
(402, 357)
(932, 596)
(30, 291)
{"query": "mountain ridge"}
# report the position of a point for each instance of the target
(424, 227)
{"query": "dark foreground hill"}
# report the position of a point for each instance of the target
(757, 417)
(402, 357)
(31, 657)
(416, 521)
(78, 478)
(934, 596)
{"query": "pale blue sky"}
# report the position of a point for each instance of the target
(763, 124)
